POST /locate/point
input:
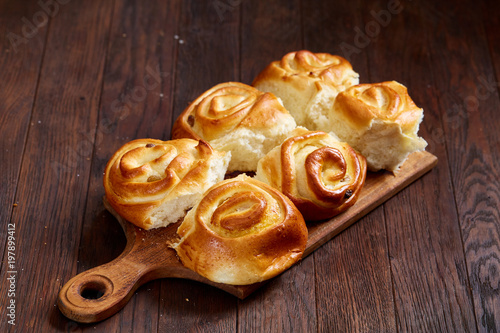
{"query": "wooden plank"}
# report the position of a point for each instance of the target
(489, 260)
(360, 253)
(54, 175)
(379, 187)
(354, 283)
(20, 67)
(470, 102)
(426, 257)
(208, 54)
(269, 30)
(285, 304)
(490, 81)
(491, 22)
(136, 102)
(209, 45)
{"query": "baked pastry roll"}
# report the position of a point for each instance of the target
(238, 118)
(152, 183)
(322, 176)
(241, 232)
(381, 121)
(307, 83)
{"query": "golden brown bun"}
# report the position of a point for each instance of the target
(322, 176)
(152, 183)
(307, 83)
(241, 232)
(381, 121)
(238, 118)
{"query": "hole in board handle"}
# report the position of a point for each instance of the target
(93, 290)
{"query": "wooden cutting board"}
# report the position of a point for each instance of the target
(100, 292)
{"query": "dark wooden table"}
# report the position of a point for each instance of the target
(80, 78)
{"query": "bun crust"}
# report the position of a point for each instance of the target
(307, 83)
(241, 232)
(380, 120)
(236, 117)
(151, 183)
(386, 101)
(322, 176)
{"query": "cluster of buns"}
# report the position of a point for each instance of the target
(285, 129)
(379, 120)
(307, 83)
(239, 231)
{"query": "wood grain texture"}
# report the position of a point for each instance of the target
(135, 103)
(492, 79)
(55, 172)
(360, 253)
(284, 304)
(268, 31)
(208, 42)
(489, 264)
(471, 103)
(421, 223)
(359, 282)
(20, 63)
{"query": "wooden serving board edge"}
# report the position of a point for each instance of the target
(379, 187)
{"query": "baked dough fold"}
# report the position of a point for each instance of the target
(151, 183)
(322, 176)
(238, 118)
(241, 232)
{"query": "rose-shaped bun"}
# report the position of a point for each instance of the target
(322, 176)
(241, 232)
(381, 121)
(238, 118)
(152, 183)
(307, 83)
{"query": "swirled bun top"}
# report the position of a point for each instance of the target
(241, 232)
(386, 101)
(152, 183)
(380, 120)
(307, 83)
(322, 176)
(238, 118)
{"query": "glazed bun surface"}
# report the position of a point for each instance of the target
(322, 176)
(381, 121)
(241, 232)
(151, 183)
(238, 118)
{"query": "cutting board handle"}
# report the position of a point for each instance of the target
(102, 291)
